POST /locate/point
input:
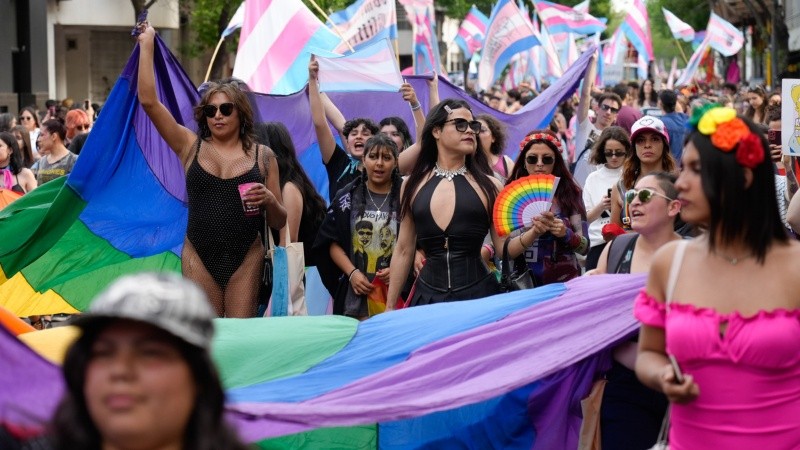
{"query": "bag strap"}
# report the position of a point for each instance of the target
(506, 266)
(617, 249)
(674, 270)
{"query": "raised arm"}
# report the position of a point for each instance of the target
(178, 137)
(327, 144)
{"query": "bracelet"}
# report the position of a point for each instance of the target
(416, 107)
(350, 277)
(489, 248)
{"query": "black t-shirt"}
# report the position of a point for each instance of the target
(341, 171)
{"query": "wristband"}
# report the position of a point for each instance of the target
(416, 107)
(350, 277)
(489, 249)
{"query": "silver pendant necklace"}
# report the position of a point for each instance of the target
(448, 174)
(378, 208)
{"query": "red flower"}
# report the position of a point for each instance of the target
(750, 152)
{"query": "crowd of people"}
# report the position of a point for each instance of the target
(690, 187)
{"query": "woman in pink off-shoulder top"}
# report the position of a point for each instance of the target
(726, 305)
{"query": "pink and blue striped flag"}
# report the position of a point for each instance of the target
(373, 68)
(680, 29)
(365, 22)
(694, 63)
(549, 61)
(636, 27)
(563, 19)
(275, 45)
(236, 21)
(723, 36)
(426, 45)
(509, 33)
(472, 33)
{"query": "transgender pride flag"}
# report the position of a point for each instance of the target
(472, 32)
(509, 33)
(723, 36)
(636, 27)
(275, 45)
(563, 19)
(373, 68)
(680, 29)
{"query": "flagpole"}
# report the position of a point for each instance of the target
(333, 25)
(213, 57)
(680, 47)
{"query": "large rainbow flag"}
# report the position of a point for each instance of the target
(123, 207)
(507, 371)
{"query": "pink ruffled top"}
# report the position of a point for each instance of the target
(749, 376)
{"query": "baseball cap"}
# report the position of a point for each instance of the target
(649, 123)
(163, 300)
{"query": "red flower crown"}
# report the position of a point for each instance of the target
(540, 137)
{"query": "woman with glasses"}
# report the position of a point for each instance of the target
(609, 153)
(77, 122)
(30, 120)
(651, 154)
(445, 209)
(550, 247)
(734, 336)
(631, 413)
(226, 173)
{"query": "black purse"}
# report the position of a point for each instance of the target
(518, 279)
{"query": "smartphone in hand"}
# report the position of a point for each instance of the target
(678, 374)
(774, 137)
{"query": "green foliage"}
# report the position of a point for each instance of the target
(693, 12)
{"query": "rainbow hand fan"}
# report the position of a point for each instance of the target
(522, 200)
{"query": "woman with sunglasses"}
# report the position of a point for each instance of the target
(550, 246)
(651, 144)
(222, 251)
(77, 122)
(446, 209)
(608, 153)
(30, 120)
(631, 413)
(734, 336)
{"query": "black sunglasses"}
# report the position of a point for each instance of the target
(534, 159)
(615, 154)
(25, 118)
(645, 195)
(609, 108)
(462, 124)
(211, 110)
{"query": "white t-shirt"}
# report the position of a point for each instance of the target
(597, 185)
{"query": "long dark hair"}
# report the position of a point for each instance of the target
(610, 133)
(632, 167)
(276, 136)
(653, 94)
(477, 165)
(15, 161)
(739, 214)
(206, 429)
(238, 96)
(380, 141)
(751, 112)
(401, 127)
(498, 133)
(27, 150)
(568, 194)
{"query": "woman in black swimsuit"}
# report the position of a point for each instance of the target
(13, 174)
(222, 251)
(445, 209)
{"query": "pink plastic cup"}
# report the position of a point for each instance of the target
(249, 210)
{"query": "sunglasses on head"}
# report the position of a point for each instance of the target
(211, 110)
(534, 159)
(463, 124)
(615, 154)
(609, 108)
(645, 195)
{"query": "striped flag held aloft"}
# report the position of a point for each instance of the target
(680, 29)
(723, 36)
(365, 22)
(563, 19)
(636, 27)
(509, 33)
(472, 33)
(372, 68)
(275, 45)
